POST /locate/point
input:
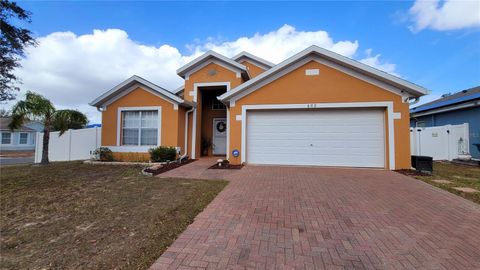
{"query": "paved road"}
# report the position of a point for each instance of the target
(16, 160)
(326, 218)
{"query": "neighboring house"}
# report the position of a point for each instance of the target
(18, 139)
(458, 108)
(314, 108)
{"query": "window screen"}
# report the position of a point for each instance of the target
(218, 105)
(23, 138)
(6, 137)
(140, 128)
(420, 124)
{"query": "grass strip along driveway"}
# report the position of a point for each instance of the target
(74, 215)
(457, 176)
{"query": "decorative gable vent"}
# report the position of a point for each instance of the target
(312, 72)
(212, 72)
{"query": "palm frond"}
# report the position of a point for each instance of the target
(34, 107)
(17, 121)
(68, 119)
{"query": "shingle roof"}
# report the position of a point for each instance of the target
(257, 60)
(132, 81)
(210, 55)
(459, 97)
(5, 121)
(409, 87)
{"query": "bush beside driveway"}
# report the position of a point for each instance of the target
(74, 215)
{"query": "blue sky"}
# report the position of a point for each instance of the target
(443, 57)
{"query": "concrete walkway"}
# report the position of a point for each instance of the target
(325, 218)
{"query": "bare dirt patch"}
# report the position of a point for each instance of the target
(75, 215)
(441, 181)
(466, 189)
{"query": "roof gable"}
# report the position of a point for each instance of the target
(260, 62)
(212, 57)
(130, 84)
(324, 56)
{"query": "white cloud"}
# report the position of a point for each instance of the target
(374, 61)
(445, 15)
(280, 44)
(72, 70)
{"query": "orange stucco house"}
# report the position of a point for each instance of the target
(314, 108)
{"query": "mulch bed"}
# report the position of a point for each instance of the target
(167, 167)
(412, 172)
(226, 166)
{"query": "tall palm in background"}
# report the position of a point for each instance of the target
(37, 107)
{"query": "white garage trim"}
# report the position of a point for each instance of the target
(388, 105)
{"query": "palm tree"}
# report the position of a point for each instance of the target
(37, 107)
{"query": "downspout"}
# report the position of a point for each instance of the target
(186, 134)
(415, 101)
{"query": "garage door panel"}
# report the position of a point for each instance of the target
(351, 137)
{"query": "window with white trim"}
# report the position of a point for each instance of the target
(23, 138)
(6, 138)
(140, 127)
(218, 105)
(420, 124)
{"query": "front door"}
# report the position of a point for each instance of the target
(219, 136)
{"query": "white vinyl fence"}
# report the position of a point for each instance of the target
(441, 143)
(72, 145)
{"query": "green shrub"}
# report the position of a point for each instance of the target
(163, 153)
(103, 154)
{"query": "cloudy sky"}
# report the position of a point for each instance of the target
(86, 48)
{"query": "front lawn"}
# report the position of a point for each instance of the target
(458, 175)
(74, 215)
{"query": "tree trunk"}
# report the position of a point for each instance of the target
(46, 140)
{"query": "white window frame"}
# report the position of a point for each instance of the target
(20, 138)
(1, 138)
(420, 124)
(217, 102)
(139, 148)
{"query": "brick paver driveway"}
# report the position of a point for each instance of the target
(314, 218)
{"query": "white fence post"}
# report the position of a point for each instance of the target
(38, 146)
(69, 144)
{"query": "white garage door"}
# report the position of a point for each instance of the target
(330, 137)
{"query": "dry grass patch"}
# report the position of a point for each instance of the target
(74, 215)
(459, 176)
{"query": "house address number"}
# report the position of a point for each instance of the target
(311, 106)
